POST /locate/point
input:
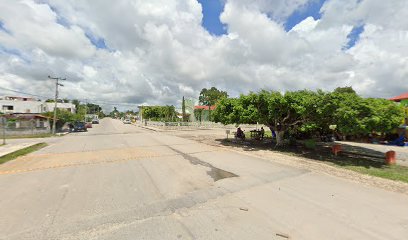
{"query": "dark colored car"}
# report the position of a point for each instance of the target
(79, 127)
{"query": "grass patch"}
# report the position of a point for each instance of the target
(43, 135)
(398, 173)
(22, 152)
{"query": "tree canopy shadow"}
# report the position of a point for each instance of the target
(350, 156)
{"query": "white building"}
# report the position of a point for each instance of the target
(67, 106)
(30, 105)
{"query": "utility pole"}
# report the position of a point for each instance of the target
(56, 99)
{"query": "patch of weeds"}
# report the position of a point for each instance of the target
(22, 152)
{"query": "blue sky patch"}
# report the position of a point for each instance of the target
(212, 10)
(96, 41)
(62, 21)
(354, 36)
(311, 9)
(14, 52)
(3, 28)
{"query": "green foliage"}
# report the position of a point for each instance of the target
(228, 111)
(355, 115)
(93, 108)
(64, 116)
(160, 113)
(22, 152)
(114, 113)
(76, 102)
(209, 97)
(308, 111)
(198, 114)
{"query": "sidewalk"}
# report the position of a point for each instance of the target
(148, 127)
(12, 147)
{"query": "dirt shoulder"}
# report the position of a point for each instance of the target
(212, 137)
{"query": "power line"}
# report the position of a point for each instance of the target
(87, 99)
(30, 94)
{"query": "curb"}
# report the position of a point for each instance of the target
(17, 148)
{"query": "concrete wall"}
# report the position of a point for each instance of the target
(27, 127)
(26, 131)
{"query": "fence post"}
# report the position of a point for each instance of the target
(3, 121)
(32, 126)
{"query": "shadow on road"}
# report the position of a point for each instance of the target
(351, 156)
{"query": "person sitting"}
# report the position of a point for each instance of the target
(262, 131)
(240, 133)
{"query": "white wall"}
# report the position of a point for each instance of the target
(33, 106)
(22, 106)
(66, 106)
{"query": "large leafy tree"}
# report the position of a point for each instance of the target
(209, 97)
(354, 115)
(308, 111)
(159, 113)
(280, 112)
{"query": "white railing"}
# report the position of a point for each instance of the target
(204, 125)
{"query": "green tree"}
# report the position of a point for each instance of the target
(209, 97)
(280, 112)
(198, 114)
(76, 102)
(159, 113)
(93, 108)
(308, 111)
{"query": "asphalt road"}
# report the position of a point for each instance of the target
(123, 182)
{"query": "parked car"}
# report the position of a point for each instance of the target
(127, 121)
(78, 127)
(95, 121)
(88, 125)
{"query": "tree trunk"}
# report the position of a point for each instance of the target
(279, 138)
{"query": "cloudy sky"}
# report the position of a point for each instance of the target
(156, 51)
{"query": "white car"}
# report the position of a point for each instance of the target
(127, 121)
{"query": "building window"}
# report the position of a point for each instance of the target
(8, 107)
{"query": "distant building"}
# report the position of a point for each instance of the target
(66, 106)
(26, 123)
(11, 104)
(403, 99)
(205, 113)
